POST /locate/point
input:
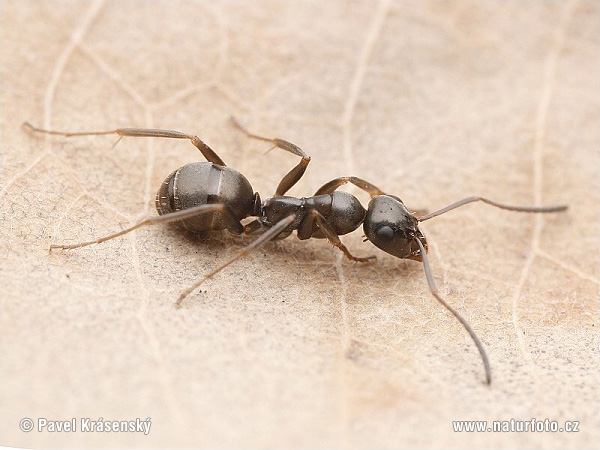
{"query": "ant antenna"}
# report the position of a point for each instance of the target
(464, 201)
(465, 324)
(429, 276)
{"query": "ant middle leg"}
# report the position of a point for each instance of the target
(232, 224)
(269, 235)
(207, 152)
(294, 175)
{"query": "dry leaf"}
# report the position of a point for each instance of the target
(293, 346)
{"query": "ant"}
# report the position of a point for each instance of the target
(210, 196)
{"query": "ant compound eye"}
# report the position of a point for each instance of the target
(385, 232)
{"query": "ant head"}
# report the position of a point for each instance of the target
(391, 228)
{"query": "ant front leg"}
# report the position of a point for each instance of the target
(332, 185)
(369, 188)
(330, 234)
(294, 175)
(166, 218)
(207, 152)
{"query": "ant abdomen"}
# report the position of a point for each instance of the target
(203, 183)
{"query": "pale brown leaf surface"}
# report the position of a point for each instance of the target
(294, 346)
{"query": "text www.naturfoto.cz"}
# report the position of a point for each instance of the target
(512, 425)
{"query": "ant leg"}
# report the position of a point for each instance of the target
(292, 177)
(165, 218)
(269, 235)
(464, 323)
(331, 186)
(464, 201)
(369, 188)
(206, 151)
(332, 237)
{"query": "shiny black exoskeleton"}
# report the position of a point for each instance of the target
(325, 215)
(203, 183)
(208, 196)
(387, 223)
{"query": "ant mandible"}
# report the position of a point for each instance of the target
(209, 196)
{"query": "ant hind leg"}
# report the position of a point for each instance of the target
(165, 218)
(207, 152)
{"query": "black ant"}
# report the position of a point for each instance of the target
(209, 196)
